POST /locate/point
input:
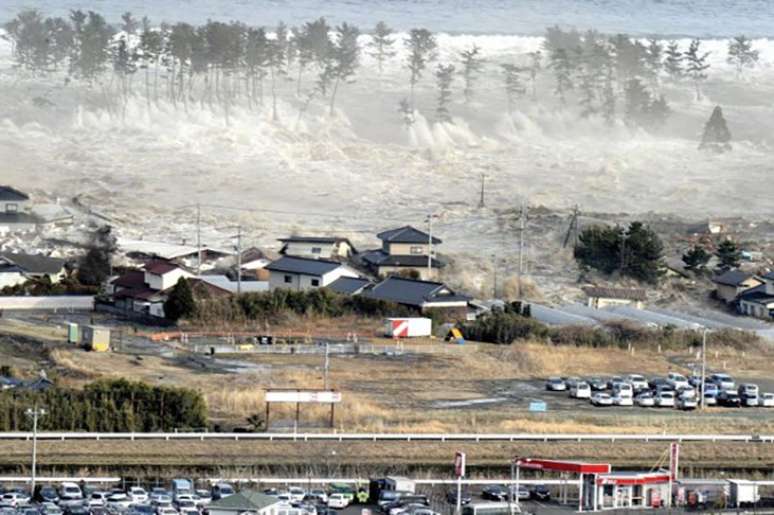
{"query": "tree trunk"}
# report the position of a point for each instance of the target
(333, 95)
(274, 95)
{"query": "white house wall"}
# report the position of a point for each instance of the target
(342, 271)
(168, 280)
(10, 279)
(304, 249)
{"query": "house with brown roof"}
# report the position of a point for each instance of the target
(145, 291)
(603, 297)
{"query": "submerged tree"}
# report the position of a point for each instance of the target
(563, 71)
(696, 65)
(729, 254)
(535, 65)
(381, 45)
(472, 63)
(653, 60)
(444, 75)
(673, 61)
(696, 258)
(275, 60)
(514, 88)
(345, 58)
(716, 136)
(421, 45)
(741, 54)
(180, 303)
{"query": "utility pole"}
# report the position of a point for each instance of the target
(703, 364)
(429, 246)
(239, 260)
(481, 201)
(326, 367)
(34, 413)
(522, 228)
(494, 266)
(198, 239)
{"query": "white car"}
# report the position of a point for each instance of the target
(581, 390)
(138, 495)
(555, 384)
(338, 501)
(766, 400)
(16, 498)
(750, 401)
(297, 494)
(724, 381)
(685, 403)
(645, 400)
(710, 399)
(166, 510)
(119, 500)
(637, 381)
(321, 495)
(98, 499)
(748, 390)
(677, 381)
(189, 511)
(665, 399)
(601, 399)
(686, 392)
(620, 399)
(70, 492)
(623, 390)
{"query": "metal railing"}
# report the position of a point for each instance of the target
(402, 437)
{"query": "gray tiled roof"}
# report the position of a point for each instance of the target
(348, 285)
(34, 263)
(406, 234)
(10, 194)
(246, 500)
(303, 266)
(412, 292)
(381, 258)
(757, 295)
(732, 278)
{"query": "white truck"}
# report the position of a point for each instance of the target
(400, 484)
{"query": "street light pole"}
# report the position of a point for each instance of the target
(34, 413)
(703, 364)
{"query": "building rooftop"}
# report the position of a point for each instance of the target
(9, 194)
(412, 292)
(732, 278)
(348, 285)
(757, 295)
(303, 266)
(33, 263)
(244, 501)
(406, 234)
(380, 258)
(160, 267)
(637, 294)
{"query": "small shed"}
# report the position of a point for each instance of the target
(246, 501)
(602, 297)
(96, 338)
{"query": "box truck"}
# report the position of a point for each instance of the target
(407, 327)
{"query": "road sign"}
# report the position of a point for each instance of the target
(538, 406)
(322, 396)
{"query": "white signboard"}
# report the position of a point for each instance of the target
(302, 396)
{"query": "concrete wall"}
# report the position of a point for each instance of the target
(79, 302)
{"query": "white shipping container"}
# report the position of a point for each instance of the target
(407, 327)
(399, 484)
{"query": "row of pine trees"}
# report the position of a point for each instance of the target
(222, 65)
(105, 406)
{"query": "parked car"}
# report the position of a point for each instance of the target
(572, 381)
(710, 399)
(729, 399)
(221, 491)
(205, 497)
(157, 493)
(119, 499)
(465, 498)
(69, 493)
(49, 508)
(766, 400)
(695, 380)
(748, 390)
(645, 399)
(97, 499)
(750, 401)
(621, 399)
(665, 399)
(296, 493)
(597, 384)
(614, 381)
(166, 510)
(686, 392)
(581, 390)
(685, 403)
(541, 493)
(637, 381)
(318, 494)
(601, 399)
(495, 493)
(338, 501)
(138, 495)
(555, 384)
(46, 494)
(623, 389)
(677, 380)
(710, 387)
(522, 493)
(724, 381)
(15, 499)
(76, 509)
(142, 509)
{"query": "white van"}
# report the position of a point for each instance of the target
(581, 390)
(70, 492)
(724, 381)
(623, 390)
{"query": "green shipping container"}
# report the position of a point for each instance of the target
(72, 333)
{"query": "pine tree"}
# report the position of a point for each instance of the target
(275, 59)
(129, 25)
(696, 66)
(563, 69)
(673, 61)
(381, 45)
(444, 75)
(180, 303)
(741, 54)
(696, 258)
(514, 88)
(535, 65)
(608, 99)
(653, 60)
(716, 135)
(421, 45)
(729, 254)
(345, 58)
(472, 64)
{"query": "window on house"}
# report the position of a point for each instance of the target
(315, 282)
(288, 278)
(417, 250)
(11, 208)
(316, 250)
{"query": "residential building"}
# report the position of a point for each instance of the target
(405, 250)
(295, 273)
(250, 502)
(600, 297)
(349, 285)
(318, 247)
(18, 267)
(759, 301)
(162, 275)
(15, 211)
(418, 294)
(731, 284)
